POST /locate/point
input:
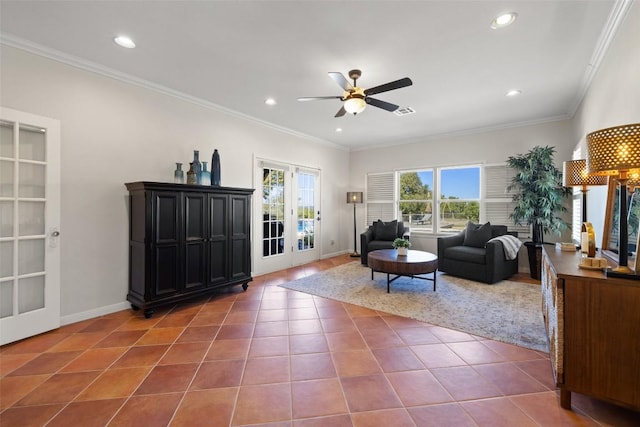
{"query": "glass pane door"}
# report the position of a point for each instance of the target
(307, 215)
(29, 258)
(273, 220)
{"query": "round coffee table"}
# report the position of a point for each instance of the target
(411, 265)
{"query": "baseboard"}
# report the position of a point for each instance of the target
(96, 312)
(333, 254)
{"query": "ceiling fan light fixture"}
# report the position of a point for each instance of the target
(355, 105)
(504, 20)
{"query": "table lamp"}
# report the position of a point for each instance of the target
(615, 151)
(354, 197)
(574, 174)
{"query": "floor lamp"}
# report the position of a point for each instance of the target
(615, 151)
(354, 197)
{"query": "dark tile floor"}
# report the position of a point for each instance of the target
(275, 357)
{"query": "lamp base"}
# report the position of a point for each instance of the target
(355, 255)
(623, 272)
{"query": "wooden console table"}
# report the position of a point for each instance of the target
(593, 325)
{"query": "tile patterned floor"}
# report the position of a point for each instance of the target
(275, 357)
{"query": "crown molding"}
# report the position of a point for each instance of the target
(618, 13)
(92, 67)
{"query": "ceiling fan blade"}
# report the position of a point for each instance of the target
(341, 80)
(314, 98)
(389, 86)
(381, 104)
(341, 112)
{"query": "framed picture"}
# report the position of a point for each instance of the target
(610, 238)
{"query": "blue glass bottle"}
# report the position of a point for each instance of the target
(178, 174)
(205, 176)
(215, 168)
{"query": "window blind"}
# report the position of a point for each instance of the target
(380, 195)
(497, 202)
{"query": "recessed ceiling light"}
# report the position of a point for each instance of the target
(514, 92)
(504, 20)
(338, 129)
(124, 41)
(270, 101)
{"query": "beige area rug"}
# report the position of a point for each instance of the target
(505, 311)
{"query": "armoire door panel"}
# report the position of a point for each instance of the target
(240, 267)
(218, 222)
(218, 262)
(194, 215)
(166, 271)
(195, 266)
(167, 217)
(239, 216)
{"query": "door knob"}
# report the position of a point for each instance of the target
(53, 241)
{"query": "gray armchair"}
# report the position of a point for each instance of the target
(381, 235)
(471, 255)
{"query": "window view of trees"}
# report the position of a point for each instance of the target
(416, 198)
(459, 197)
(459, 200)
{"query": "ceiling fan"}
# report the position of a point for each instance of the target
(355, 98)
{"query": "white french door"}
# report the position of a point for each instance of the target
(287, 226)
(29, 225)
(306, 215)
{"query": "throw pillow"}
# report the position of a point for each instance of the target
(386, 230)
(477, 235)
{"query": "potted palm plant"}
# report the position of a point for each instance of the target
(402, 245)
(539, 199)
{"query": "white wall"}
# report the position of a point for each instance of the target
(613, 99)
(114, 132)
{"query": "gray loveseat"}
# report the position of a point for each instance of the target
(381, 235)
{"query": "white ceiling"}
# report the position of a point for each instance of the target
(234, 54)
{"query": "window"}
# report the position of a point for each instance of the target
(466, 193)
(497, 202)
(459, 200)
(576, 205)
(380, 199)
(416, 198)
(458, 203)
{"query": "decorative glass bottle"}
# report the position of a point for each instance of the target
(215, 168)
(191, 175)
(205, 176)
(197, 167)
(178, 174)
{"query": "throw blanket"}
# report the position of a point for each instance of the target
(510, 244)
